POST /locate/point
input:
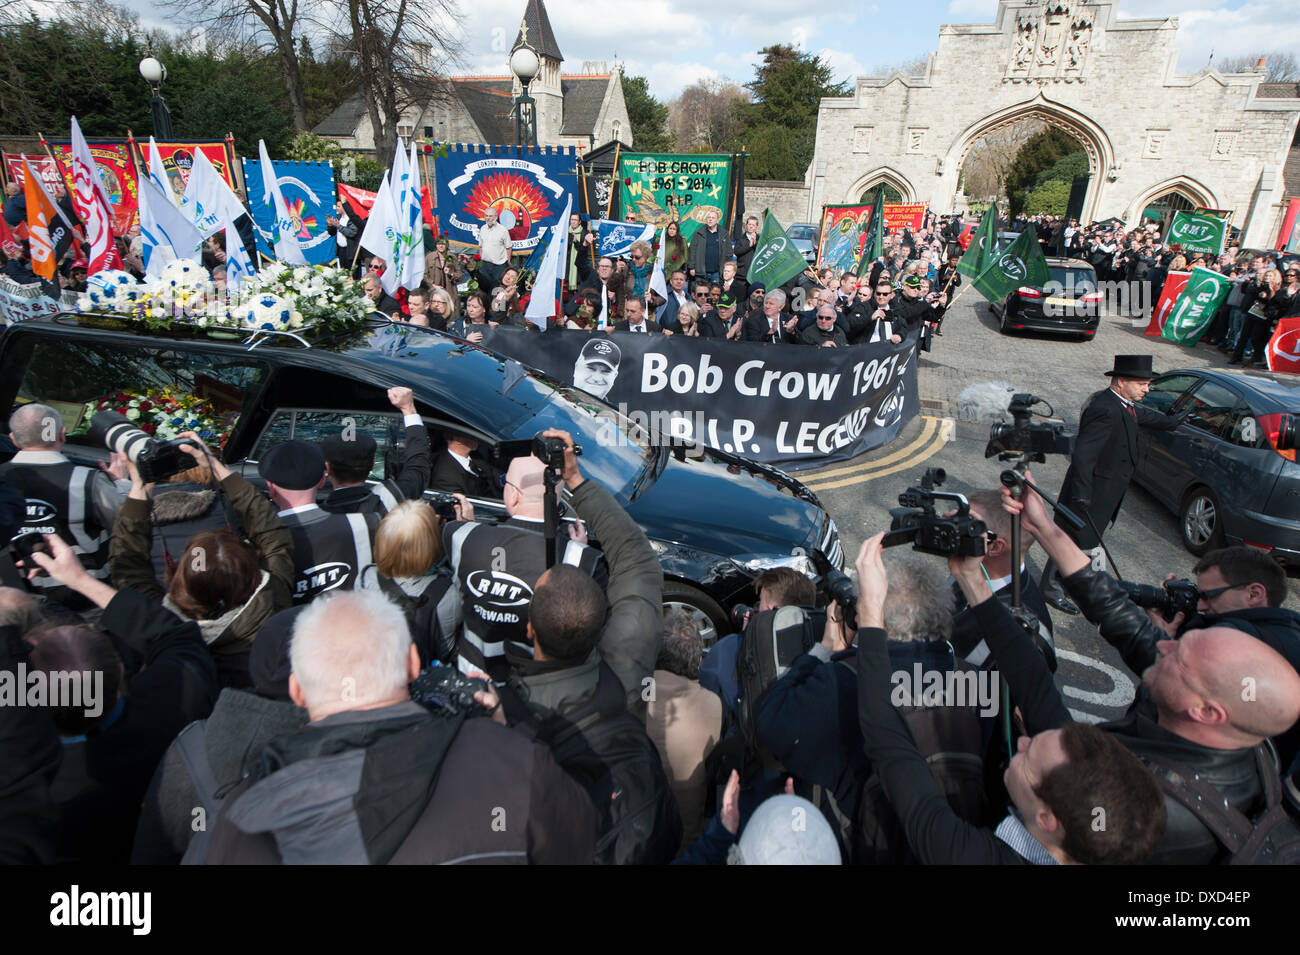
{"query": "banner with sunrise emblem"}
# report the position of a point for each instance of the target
(308, 189)
(527, 187)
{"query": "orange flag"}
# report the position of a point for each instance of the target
(40, 213)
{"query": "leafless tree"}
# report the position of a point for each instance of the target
(271, 24)
(984, 173)
(912, 67)
(1279, 67)
(702, 119)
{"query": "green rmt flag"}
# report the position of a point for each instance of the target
(982, 245)
(1021, 263)
(776, 260)
(874, 247)
(1196, 306)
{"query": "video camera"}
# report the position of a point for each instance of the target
(915, 521)
(1175, 597)
(1022, 436)
(156, 459)
(550, 451)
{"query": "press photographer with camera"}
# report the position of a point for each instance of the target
(77, 503)
(1208, 700)
(226, 584)
(1057, 779)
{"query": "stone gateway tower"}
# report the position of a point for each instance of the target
(1150, 134)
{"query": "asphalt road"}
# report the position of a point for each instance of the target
(1145, 541)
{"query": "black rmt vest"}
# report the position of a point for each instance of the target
(60, 501)
(328, 550)
(496, 567)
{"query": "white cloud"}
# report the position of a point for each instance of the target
(844, 65)
(1252, 28)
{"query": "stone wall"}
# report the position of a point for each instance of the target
(787, 200)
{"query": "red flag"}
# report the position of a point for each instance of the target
(359, 200)
(1283, 349)
(426, 210)
(1173, 287)
(40, 213)
(93, 208)
(8, 241)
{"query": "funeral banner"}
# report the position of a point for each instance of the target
(1283, 351)
(21, 302)
(1198, 232)
(844, 232)
(1169, 293)
(659, 188)
(780, 404)
(308, 189)
(899, 215)
(527, 187)
(178, 160)
(117, 172)
(1196, 306)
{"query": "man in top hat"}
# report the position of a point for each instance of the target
(597, 366)
(1105, 454)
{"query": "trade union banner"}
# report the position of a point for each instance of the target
(780, 404)
(1196, 306)
(528, 188)
(658, 188)
(899, 215)
(1169, 293)
(308, 189)
(41, 165)
(1283, 350)
(843, 234)
(178, 160)
(21, 302)
(116, 172)
(1198, 232)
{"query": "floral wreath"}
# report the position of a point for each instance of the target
(165, 414)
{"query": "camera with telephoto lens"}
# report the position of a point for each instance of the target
(550, 451)
(1025, 436)
(1175, 597)
(915, 521)
(837, 586)
(446, 689)
(444, 505)
(156, 459)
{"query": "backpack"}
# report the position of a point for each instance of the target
(1272, 838)
(773, 640)
(608, 752)
(952, 741)
(421, 609)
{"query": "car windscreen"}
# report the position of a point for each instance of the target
(615, 450)
(804, 232)
(1078, 281)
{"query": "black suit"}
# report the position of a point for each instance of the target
(651, 327)
(1105, 456)
(450, 478)
(757, 328)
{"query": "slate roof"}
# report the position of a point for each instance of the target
(540, 35)
(583, 96)
(343, 121)
(489, 103)
(1278, 90)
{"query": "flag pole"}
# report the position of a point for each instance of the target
(613, 180)
(58, 167)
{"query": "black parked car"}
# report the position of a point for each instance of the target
(1230, 471)
(1069, 304)
(715, 519)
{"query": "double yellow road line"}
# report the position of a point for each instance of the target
(935, 432)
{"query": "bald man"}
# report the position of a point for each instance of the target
(1207, 700)
(497, 567)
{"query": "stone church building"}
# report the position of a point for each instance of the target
(1151, 135)
(582, 109)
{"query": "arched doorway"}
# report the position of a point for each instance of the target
(1160, 201)
(891, 194)
(897, 186)
(1092, 140)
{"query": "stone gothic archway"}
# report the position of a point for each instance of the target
(1096, 144)
(885, 174)
(1197, 193)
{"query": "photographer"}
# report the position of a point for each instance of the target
(228, 586)
(81, 503)
(1056, 780)
(915, 308)
(1191, 709)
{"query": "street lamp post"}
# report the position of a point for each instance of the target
(524, 63)
(154, 73)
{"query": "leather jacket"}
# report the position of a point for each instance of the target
(1231, 771)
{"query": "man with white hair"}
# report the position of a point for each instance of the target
(774, 325)
(374, 778)
(77, 503)
(497, 567)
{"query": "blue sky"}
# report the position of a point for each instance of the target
(676, 42)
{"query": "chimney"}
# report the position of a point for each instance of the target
(1261, 65)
